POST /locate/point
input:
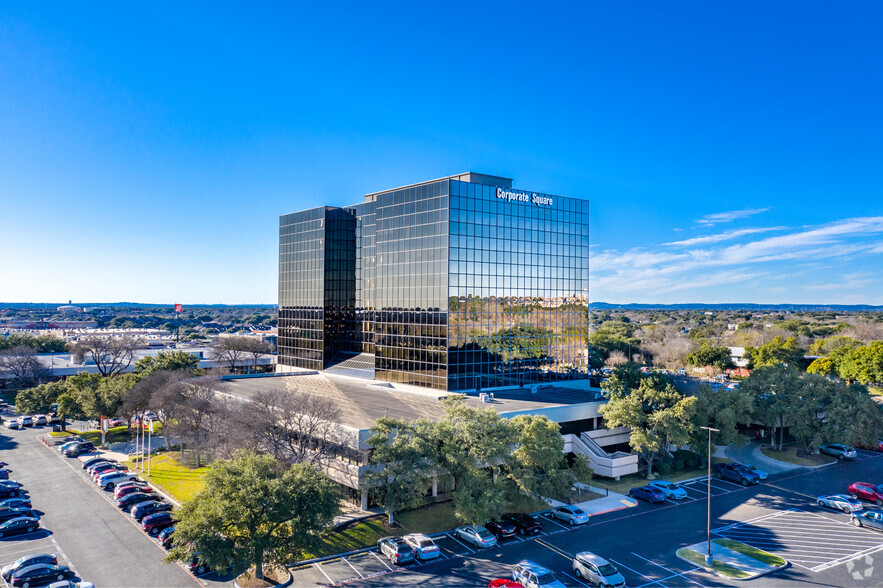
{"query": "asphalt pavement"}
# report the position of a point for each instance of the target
(780, 516)
(79, 523)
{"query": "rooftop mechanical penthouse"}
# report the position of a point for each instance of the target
(459, 283)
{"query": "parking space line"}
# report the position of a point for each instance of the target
(661, 580)
(577, 580)
(352, 566)
(549, 517)
(381, 561)
(622, 565)
(460, 542)
(666, 569)
(319, 567)
(832, 564)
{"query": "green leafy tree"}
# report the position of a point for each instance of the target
(810, 418)
(657, 414)
(169, 361)
(723, 409)
(716, 356)
(853, 416)
(402, 471)
(474, 447)
(776, 391)
(540, 468)
(777, 351)
(862, 364)
(40, 398)
(823, 366)
(252, 509)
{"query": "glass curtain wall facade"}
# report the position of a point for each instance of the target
(457, 284)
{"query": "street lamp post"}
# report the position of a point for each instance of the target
(708, 558)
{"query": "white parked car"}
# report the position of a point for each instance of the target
(26, 421)
(532, 575)
(111, 480)
(424, 547)
(12, 424)
(41, 419)
(477, 535)
(597, 570)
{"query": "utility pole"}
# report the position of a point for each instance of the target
(708, 559)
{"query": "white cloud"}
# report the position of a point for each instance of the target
(730, 216)
(644, 273)
(722, 236)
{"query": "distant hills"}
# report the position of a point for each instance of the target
(54, 305)
(739, 306)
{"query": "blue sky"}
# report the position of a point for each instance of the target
(732, 153)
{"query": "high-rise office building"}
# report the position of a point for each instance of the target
(456, 284)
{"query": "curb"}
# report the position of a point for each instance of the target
(787, 564)
(287, 582)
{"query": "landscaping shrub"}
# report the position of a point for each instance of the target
(678, 465)
(663, 468)
(691, 459)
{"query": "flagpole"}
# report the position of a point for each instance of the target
(149, 446)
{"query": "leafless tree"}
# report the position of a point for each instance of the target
(162, 392)
(22, 364)
(198, 409)
(615, 358)
(111, 355)
(232, 350)
(258, 348)
(292, 426)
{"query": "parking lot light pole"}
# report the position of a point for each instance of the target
(708, 559)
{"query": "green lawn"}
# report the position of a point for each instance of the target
(797, 456)
(758, 554)
(179, 482)
(720, 567)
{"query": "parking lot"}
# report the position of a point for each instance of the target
(811, 540)
(40, 541)
(79, 523)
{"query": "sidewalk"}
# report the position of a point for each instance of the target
(608, 502)
(751, 454)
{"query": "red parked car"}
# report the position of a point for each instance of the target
(878, 446)
(868, 492)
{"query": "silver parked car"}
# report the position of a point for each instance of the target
(838, 450)
(477, 535)
(597, 570)
(570, 514)
(843, 502)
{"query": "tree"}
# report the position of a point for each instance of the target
(823, 366)
(777, 351)
(659, 416)
(474, 448)
(810, 418)
(232, 350)
(775, 390)
(254, 510)
(40, 398)
(402, 473)
(723, 409)
(162, 391)
(716, 356)
(257, 348)
(862, 364)
(198, 405)
(111, 355)
(41, 344)
(853, 416)
(22, 364)
(540, 468)
(169, 361)
(292, 425)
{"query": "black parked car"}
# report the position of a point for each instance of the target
(91, 462)
(524, 523)
(736, 473)
(167, 537)
(40, 574)
(130, 500)
(79, 449)
(15, 503)
(28, 560)
(19, 526)
(12, 513)
(148, 507)
(501, 529)
(9, 492)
